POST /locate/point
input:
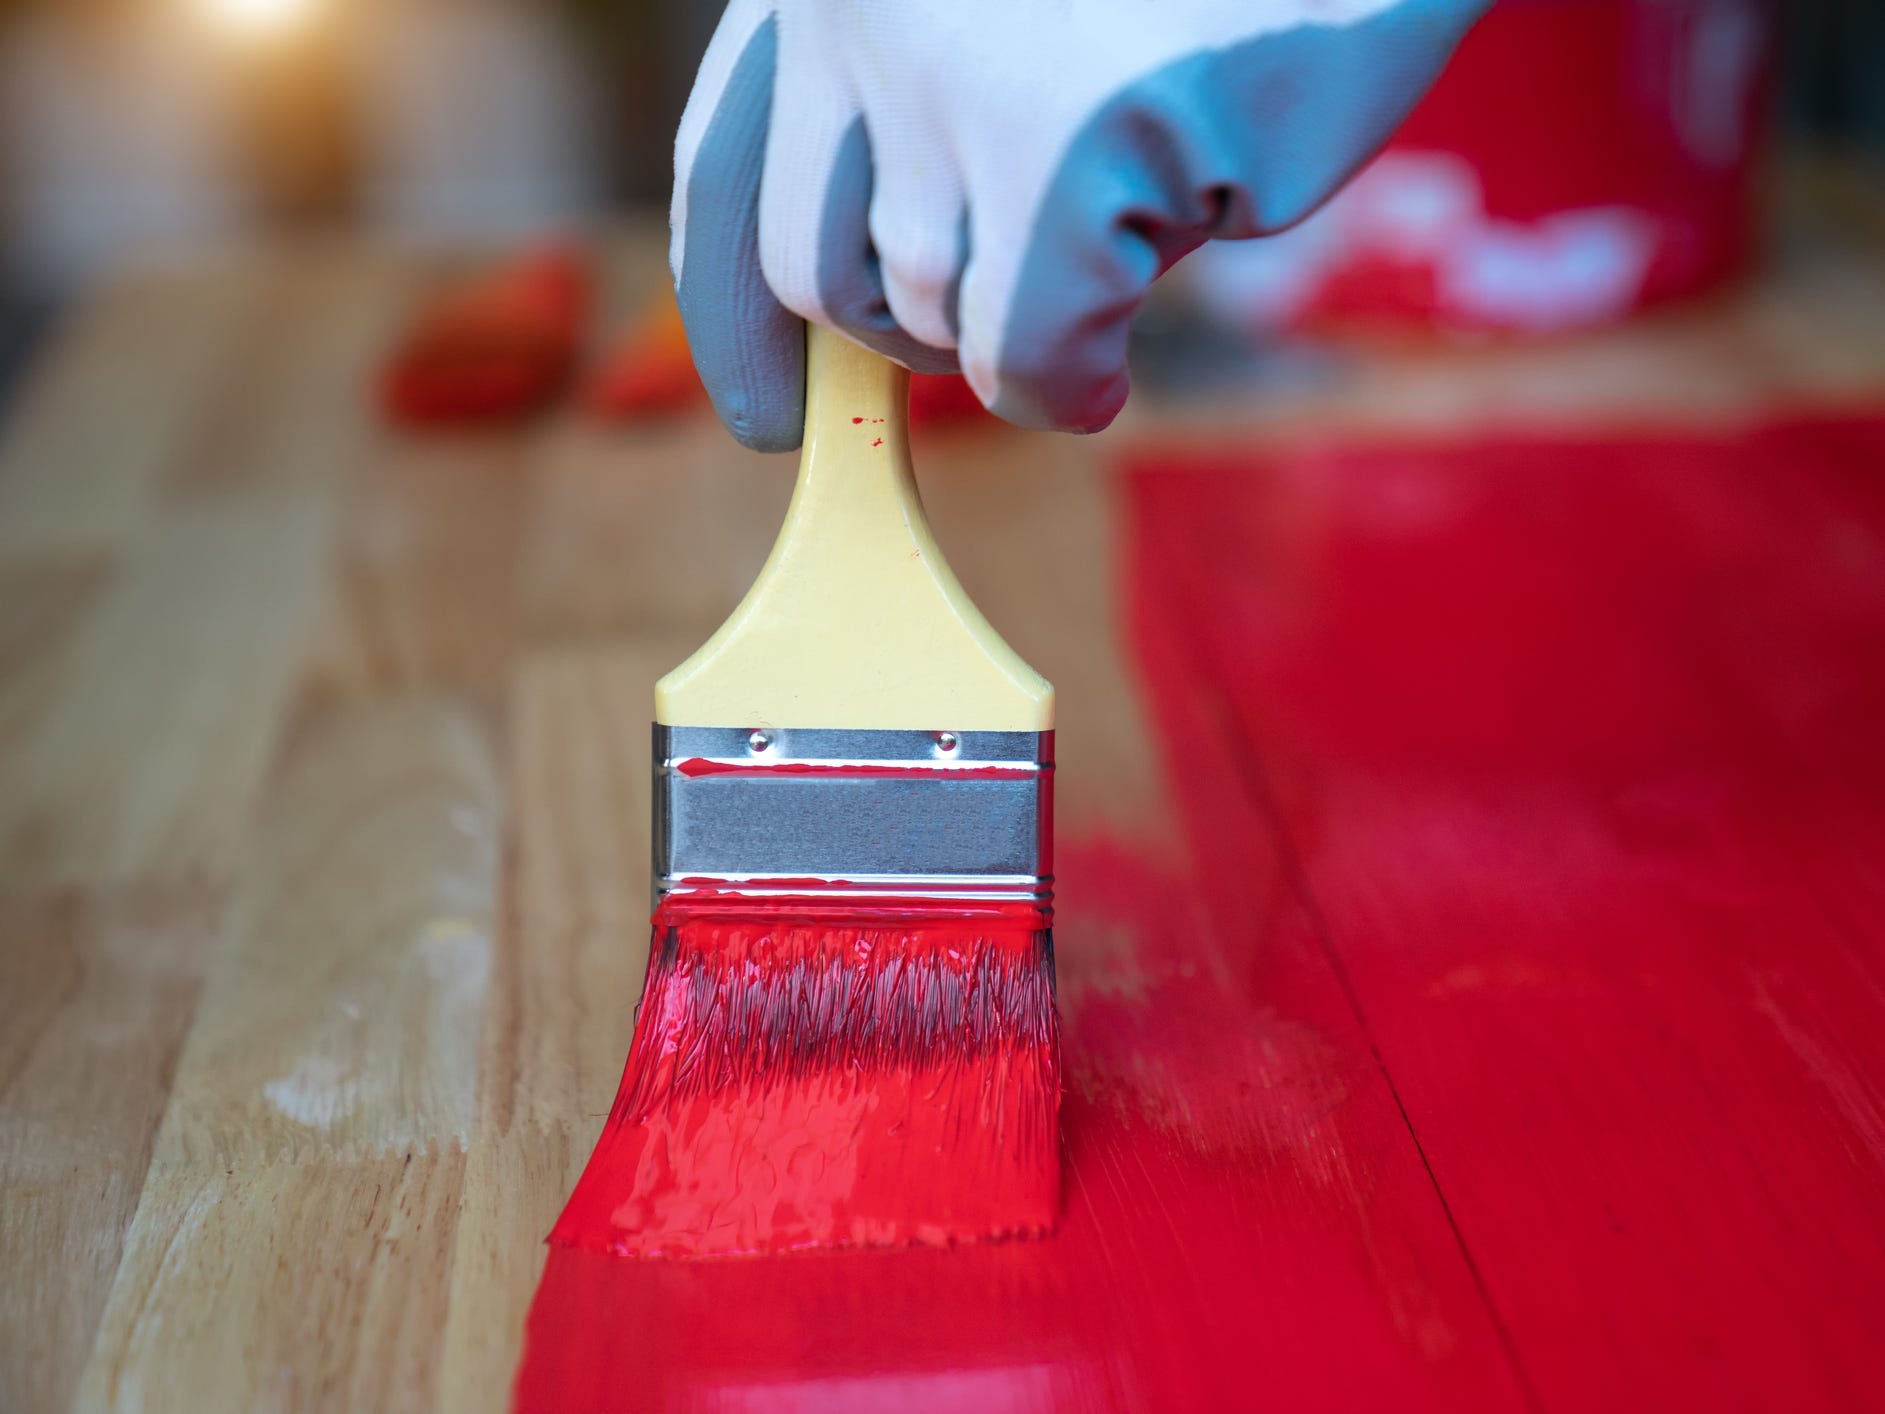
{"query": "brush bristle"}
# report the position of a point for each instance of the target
(805, 1074)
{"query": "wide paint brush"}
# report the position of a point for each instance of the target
(847, 1034)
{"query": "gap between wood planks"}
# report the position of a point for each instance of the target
(1257, 784)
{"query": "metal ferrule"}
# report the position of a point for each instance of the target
(795, 810)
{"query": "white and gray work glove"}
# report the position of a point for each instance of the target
(992, 184)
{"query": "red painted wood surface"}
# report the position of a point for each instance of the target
(1578, 753)
(1506, 1034)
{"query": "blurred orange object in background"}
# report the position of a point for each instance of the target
(650, 371)
(496, 348)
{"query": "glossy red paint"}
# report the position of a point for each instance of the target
(805, 1073)
(1578, 753)
(1245, 1225)
(1505, 1031)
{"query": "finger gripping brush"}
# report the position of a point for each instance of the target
(847, 1034)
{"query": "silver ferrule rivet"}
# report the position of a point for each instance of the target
(758, 742)
(945, 741)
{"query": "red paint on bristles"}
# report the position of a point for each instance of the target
(807, 1072)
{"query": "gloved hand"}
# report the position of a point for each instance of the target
(992, 184)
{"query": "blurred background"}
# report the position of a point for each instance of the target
(1582, 160)
(1501, 656)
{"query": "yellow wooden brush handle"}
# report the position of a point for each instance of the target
(856, 620)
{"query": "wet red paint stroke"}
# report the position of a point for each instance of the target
(1229, 1151)
(1244, 1222)
(805, 1073)
(1579, 747)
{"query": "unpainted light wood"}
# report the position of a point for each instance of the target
(287, 408)
(192, 635)
(423, 593)
(321, 1108)
(193, 644)
(567, 973)
(113, 405)
(43, 602)
(98, 992)
(644, 531)
(312, 1285)
(344, 999)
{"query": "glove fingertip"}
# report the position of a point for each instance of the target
(762, 430)
(748, 348)
(1056, 383)
(750, 353)
(1061, 410)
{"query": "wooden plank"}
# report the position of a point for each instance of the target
(293, 1243)
(341, 1013)
(637, 531)
(631, 546)
(1816, 334)
(566, 977)
(424, 596)
(289, 1286)
(42, 603)
(1574, 749)
(187, 641)
(194, 635)
(99, 993)
(292, 407)
(110, 407)
(192, 643)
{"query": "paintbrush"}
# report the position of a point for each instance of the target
(847, 1033)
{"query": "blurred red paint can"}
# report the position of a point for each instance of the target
(1578, 161)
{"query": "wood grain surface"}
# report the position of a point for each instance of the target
(323, 797)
